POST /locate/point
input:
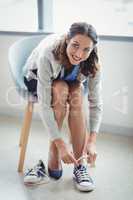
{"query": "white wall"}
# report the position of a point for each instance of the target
(116, 59)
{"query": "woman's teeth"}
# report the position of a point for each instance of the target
(75, 59)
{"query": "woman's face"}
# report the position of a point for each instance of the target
(79, 48)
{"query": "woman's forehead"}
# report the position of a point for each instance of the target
(82, 39)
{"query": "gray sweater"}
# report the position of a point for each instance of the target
(43, 59)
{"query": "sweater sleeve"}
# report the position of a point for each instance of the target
(44, 89)
(95, 102)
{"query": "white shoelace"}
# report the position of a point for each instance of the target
(84, 160)
(82, 175)
(34, 171)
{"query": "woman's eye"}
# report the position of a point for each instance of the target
(87, 50)
(75, 45)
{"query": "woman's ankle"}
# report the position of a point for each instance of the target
(54, 161)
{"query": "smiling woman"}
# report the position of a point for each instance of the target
(60, 65)
(79, 48)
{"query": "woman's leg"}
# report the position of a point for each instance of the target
(76, 119)
(60, 92)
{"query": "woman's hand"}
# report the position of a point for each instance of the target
(90, 149)
(65, 154)
(92, 154)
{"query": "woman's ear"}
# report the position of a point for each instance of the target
(67, 39)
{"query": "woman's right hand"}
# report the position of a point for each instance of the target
(65, 154)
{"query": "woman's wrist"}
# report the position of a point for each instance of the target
(59, 142)
(92, 137)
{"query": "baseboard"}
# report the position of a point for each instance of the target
(18, 113)
(106, 128)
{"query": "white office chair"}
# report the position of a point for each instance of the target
(18, 54)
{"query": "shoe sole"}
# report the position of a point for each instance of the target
(37, 183)
(83, 188)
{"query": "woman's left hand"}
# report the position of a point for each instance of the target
(90, 149)
(91, 153)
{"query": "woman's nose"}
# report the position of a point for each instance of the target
(79, 53)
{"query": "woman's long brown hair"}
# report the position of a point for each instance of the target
(90, 65)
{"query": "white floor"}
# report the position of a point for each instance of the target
(113, 173)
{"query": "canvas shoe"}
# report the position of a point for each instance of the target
(36, 175)
(82, 179)
(55, 173)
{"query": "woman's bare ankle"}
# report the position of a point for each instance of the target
(54, 161)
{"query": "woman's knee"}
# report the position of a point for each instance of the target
(59, 86)
(76, 97)
(60, 91)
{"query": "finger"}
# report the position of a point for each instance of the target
(73, 160)
(67, 159)
(88, 159)
(92, 163)
(94, 157)
(91, 158)
(64, 159)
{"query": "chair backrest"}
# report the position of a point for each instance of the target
(18, 54)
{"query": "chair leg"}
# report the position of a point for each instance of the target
(25, 134)
(22, 135)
